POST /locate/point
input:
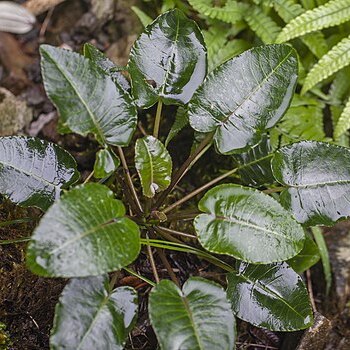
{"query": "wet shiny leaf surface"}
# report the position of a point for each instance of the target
(247, 225)
(245, 96)
(99, 58)
(88, 100)
(259, 172)
(153, 164)
(198, 317)
(168, 61)
(270, 296)
(308, 257)
(91, 316)
(105, 164)
(33, 172)
(83, 234)
(317, 176)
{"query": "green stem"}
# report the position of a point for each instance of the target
(12, 241)
(157, 120)
(187, 249)
(133, 273)
(189, 162)
(322, 246)
(274, 190)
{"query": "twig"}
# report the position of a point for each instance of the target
(129, 180)
(45, 24)
(153, 264)
(178, 233)
(199, 190)
(168, 266)
(88, 178)
(201, 149)
(309, 287)
(37, 7)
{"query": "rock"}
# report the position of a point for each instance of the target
(14, 114)
(316, 337)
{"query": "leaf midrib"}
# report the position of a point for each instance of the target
(84, 234)
(40, 179)
(94, 320)
(266, 289)
(335, 182)
(245, 223)
(189, 312)
(71, 83)
(258, 87)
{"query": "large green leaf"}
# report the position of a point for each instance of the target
(98, 57)
(83, 234)
(270, 296)
(33, 172)
(88, 100)
(106, 162)
(153, 164)
(317, 176)
(246, 95)
(198, 317)
(248, 225)
(91, 316)
(168, 61)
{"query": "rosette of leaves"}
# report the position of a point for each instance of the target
(86, 232)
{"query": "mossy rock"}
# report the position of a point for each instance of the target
(14, 113)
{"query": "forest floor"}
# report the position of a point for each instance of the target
(27, 301)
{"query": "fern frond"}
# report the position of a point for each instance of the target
(344, 122)
(287, 10)
(303, 121)
(334, 60)
(143, 17)
(181, 120)
(331, 14)
(340, 86)
(263, 25)
(231, 12)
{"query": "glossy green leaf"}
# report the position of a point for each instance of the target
(317, 177)
(33, 172)
(168, 61)
(308, 257)
(270, 296)
(258, 172)
(91, 316)
(98, 57)
(153, 164)
(83, 234)
(248, 225)
(105, 164)
(198, 317)
(88, 100)
(246, 95)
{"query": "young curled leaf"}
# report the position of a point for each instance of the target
(106, 162)
(153, 164)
